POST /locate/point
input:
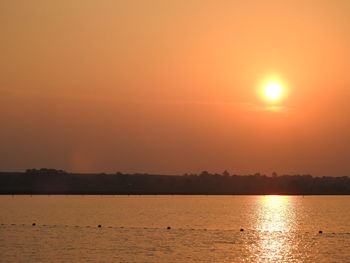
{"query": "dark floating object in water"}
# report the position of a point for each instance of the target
(99, 226)
(168, 228)
(242, 230)
(33, 224)
(320, 232)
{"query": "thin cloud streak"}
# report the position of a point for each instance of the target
(241, 106)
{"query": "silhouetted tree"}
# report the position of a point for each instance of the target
(225, 173)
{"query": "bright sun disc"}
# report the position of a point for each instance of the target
(273, 91)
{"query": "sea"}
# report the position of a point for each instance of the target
(159, 228)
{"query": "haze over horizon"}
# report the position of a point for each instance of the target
(172, 87)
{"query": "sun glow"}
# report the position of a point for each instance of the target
(273, 91)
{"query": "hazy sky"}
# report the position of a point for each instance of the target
(171, 86)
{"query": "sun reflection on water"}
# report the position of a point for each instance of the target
(275, 213)
(274, 225)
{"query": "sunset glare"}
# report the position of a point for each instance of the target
(273, 91)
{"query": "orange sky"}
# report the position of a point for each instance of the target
(172, 86)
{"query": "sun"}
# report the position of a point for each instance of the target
(273, 91)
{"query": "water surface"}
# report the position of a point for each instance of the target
(203, 228)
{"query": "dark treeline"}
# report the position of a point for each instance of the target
(51, 181)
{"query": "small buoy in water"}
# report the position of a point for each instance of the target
(33, 224)
(242, 230)
(320, 232)
(99, 226)
(168, 228)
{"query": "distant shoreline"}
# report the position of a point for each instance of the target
(152, 194)
(58, 182)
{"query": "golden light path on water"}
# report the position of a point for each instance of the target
(275, 218)
(276, 213)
